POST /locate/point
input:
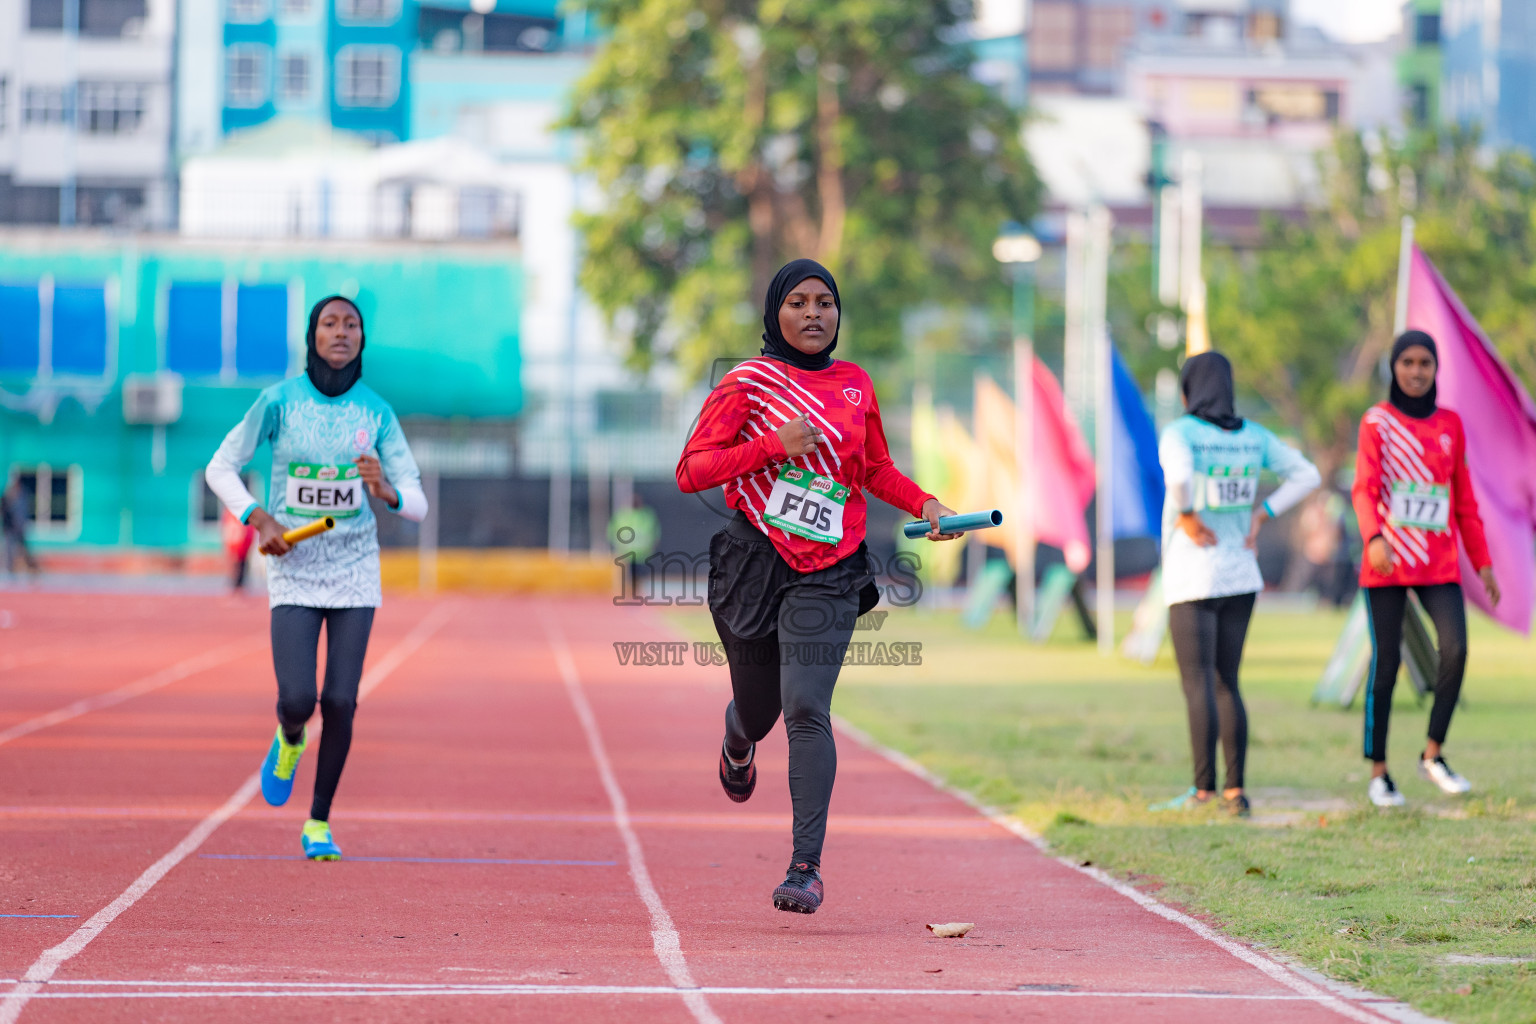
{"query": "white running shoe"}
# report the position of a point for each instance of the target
(1442, 775)
(1384, 792)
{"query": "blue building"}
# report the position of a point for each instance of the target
(1489, 69)
(352, 64)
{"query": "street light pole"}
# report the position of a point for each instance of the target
(1019, 249)
(1024, 442)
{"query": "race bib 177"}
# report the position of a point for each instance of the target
(808, 505)
(1231, 488)
(1426, 506)
(313, 490)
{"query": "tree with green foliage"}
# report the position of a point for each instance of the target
(728, 136)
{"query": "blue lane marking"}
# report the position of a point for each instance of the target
(417, 860)
(39, 915)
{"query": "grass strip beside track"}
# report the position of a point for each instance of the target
(1432, 905)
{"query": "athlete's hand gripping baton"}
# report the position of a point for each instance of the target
(955, 524)
(314, 529)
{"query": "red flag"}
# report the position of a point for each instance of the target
(1500, 421)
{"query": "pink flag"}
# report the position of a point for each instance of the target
(1064, 473)
(1500, 421)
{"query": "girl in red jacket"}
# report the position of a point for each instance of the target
(1413, 496)
(796, 439)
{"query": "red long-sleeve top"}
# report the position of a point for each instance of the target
(1396, 448)
(736, 443)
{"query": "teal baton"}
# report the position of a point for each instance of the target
(956, 524)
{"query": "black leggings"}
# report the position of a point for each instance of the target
(1386, 606)
(295, 645)
(1208, 640)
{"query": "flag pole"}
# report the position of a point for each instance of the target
(1404, 265)
(1103, 425)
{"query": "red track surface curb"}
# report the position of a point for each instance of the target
(526, 819)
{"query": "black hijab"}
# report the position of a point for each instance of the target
(328, 380)
(775, 346)
(1208, 390)
(1424, 406)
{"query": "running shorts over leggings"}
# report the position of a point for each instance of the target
(785, 635)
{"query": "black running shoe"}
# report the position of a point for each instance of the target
(801, 892)
(738, 783)
(1237, 806)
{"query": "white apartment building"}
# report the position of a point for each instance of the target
(86, 112)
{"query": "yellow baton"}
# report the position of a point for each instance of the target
(315, 528)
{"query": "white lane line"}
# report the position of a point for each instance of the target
(1273, 969)
(42, 971)
(154, 681)
(664, 937)
(395, 992)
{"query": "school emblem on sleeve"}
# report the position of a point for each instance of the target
(854, 395)
(1445, 443)
(360, 440)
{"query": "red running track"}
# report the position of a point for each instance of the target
(533, 832)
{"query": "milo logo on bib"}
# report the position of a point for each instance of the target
(313, 490)
(808, 505)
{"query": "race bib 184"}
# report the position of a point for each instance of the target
(1426, 506)
(335, 491)
(808, 505)
(1231, 488)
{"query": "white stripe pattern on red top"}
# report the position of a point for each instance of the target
(1402, 459)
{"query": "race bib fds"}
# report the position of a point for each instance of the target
(335, 491)
(808, 505)
(1426, 506)
(1231, 488)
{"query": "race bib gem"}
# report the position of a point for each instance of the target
(1425, 506)
(313, 490)
(807, 505)
(1231, 488)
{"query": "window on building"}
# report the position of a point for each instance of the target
(45, 105)
(295, 8)
(111, 19)
(371, 12)
(261, 330)
(121, 205)
(1109, 30)
(111, 108)
(194, 329)
(1053, 36)
(1426, 30)
(1418, 104)
(293, 77)
(245, 75)
(198, 340)
(246, 12)
(52, 498)
(20, 319)
(43, 15)
(367, 76)
(79, 335)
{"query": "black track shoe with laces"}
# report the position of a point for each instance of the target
(801, 891)
(738, 783)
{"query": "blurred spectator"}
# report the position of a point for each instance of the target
(634, 532)
(1325, 546)
(13, 517)
(237, 545)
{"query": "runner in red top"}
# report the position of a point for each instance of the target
(796, 440)
(1414, 499)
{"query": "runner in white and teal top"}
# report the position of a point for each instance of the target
(334, 442)
(1211, 463)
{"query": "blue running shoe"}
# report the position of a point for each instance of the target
(318, 844)
(277, 770)
(1186, 801)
